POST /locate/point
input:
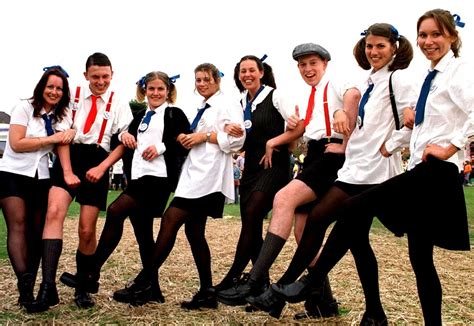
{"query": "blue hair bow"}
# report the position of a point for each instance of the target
(221, 74)
(263, 57)
(364, 33)
(395, 32)
(56, 67)
(173, 78)
(457, 21)
(141, 82)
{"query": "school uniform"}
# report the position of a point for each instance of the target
(90, 149)
(438, 209)
(269, 113)
(207, 178)
(26, 174)
(150, 185)
(320, 168)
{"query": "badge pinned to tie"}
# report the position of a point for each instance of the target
(146, 121)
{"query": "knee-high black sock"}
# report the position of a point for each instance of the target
(52, 249)
(271, 248)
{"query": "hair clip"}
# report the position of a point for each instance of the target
(220, 73)
(395, 32)
(457, 21)
(264, 57)
(364, 33)
(173, 78)
(56, 67)
(141, 82)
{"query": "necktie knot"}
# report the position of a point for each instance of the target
(48, 124)
(146, 121)
(362, 104)
(421, 103)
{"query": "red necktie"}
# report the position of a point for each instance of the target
(92, 114)
(309, 110)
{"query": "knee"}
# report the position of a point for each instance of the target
(281, 200)
(87, 234)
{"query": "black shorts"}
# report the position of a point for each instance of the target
(151, 194)
(209, 205)
(83, 158)
(320, 169)
(34, 191)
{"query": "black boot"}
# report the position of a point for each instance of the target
(236, 295)
(202, 299)
(137, 293)
(320, 305)
(91, 285)
(46, 298)
(297, 291)
(267, 301)
(82, 296)
(25, 285)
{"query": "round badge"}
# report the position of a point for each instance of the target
(106, 115)
(201, 122)
(359, 121)
(247, 124)
(143, 127)
(75, 106)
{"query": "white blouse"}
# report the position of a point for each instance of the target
(119, 118)
(27, 163)
(208, 167)
(449, 111)
(364, 163)
(281, 103)
(152, 136)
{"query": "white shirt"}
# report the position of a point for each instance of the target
(119, 118)
(316, 129)
(449, 111)
(27, 163)
(364, 163)
(152, 136)
(281, 103)
(208, 167)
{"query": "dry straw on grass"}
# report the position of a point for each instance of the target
(179, 281)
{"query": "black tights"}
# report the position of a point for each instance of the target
(195, 227)
(253, 211)
(322, 215)
(24, 232)
(117, 212)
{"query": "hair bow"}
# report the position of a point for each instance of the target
(173, 78)
(141, 82)
(263, 57)
(56, 67)
(457, 21)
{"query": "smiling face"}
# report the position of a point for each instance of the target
(312, 68)
(249, 75)
(99, 78)
(53, 92)
(432, 42)
(205, 84)
(379, 51)
(156, 92)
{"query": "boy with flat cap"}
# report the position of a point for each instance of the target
(324, 158)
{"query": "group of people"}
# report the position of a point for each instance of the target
(352, 172)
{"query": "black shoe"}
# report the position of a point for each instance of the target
(321, 310)
(71, 280)
(369, 320)
(269, 302)
(83, 299)
(202, 299)
(137, 294)
(223, 286)
(47, 297)
(297, 291)
(25, 285)
(236, 295)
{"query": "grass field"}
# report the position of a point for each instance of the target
(179, 281)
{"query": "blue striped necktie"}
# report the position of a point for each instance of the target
(421, 103)
(362, 104)
(48, 124)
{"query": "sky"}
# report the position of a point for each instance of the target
(175, 36)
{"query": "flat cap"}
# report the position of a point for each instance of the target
(310, 48)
